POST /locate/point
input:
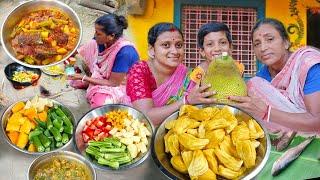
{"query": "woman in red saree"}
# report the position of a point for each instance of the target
(108, 67)
(286, 91)
(159, 86)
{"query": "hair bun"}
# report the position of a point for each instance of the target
(122, 21)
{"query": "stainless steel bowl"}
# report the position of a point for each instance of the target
(41, 160)
(7, 113)
(27, 7)
(162, 159)
(10, 69)
(80, 145)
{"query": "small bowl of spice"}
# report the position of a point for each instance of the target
(21, 76)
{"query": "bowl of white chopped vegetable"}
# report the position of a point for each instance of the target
(114, 137)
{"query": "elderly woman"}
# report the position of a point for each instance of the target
(159, 86)
(286, 91)
(108, 57)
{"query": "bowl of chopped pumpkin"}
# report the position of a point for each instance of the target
(41, 33)
(114, 137)
(61, 165)
(37, 126)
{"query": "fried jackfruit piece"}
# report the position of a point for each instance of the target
(187, 110)
(187, 157)
(208, 175)
(178, 164)
(255, 143)
(227, 160)
(233, 122)
(182, 148)
(241, 132)
(199, 115)
(183, 123)
(255, 129)
(202, 130)
(212, 161)
(166, 145)
(192, 143)
(212, 111)
(173, 145)
(193, 124)
(198, 165)
(227, 146)
(170, 124)
(216, 124)
(231, 119)
(215, 138)
(228, 173)
(193, 132)
(203, 114)
(225, 111)
(247, 152)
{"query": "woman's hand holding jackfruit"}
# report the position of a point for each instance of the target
(252, 105)
(199, 95)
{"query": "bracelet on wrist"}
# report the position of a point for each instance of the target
(266, 115)
(82, 80)
(185, 99)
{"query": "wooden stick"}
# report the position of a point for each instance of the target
(93, 5)
(57, 94)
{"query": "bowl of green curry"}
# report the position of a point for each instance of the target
(61, 165)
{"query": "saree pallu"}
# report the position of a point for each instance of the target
(285, 91)
(174, 88)
(100, 66)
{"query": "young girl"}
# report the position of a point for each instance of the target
(213, 39)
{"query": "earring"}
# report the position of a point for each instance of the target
(150, 56)
(287, 46)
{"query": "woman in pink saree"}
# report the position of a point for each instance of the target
(108, 57)
(286, 91)
(159, 86)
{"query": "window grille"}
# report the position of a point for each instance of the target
(239, 20)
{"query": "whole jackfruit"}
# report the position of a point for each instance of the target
(225, 79)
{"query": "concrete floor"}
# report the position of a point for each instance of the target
(75, 99)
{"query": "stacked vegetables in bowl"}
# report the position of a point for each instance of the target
(115, 138)
(39, 125)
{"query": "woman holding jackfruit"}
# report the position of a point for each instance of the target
(159, 86)
(286, 91)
